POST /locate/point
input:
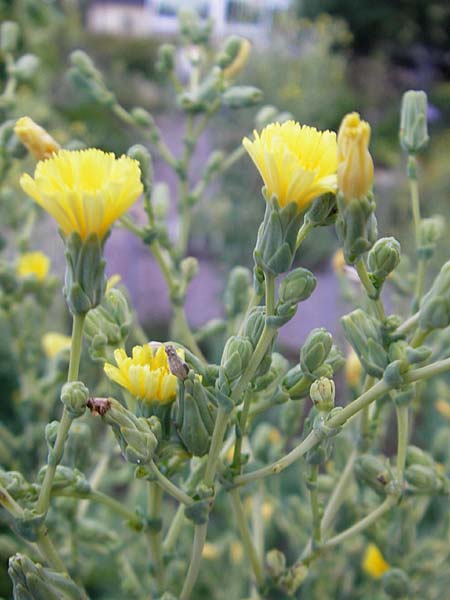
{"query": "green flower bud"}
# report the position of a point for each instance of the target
(322, 394)
(239, 96)
(266, 115)
(441, 444)
(413, 121)
(278, 367)
(364, 335)
(85, 281)
(322, 211)
(423, 478)
(384, 258)
(9, 36)
(276, 562)
(237, 292)
(373, 472)
(435, 308)
(78, 447)
(74, 396)
(144, 158)
(189, 268)
(25, 67)
(297, 286)
(236, 355)
(255, 324)
(213, 164)
(84, 64)
(430, 231)
(315, 350)
(208, 91)
(356, 226)
(166, 58)
(17, 486)
(396, 584)
(33, 581)
(143, 118)
(416, 456)
(161, 200)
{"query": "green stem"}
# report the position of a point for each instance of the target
(185, 332)
(196, 559)
(174, 529)
(9, 504)
(419, 337)
(409, 324)
(255, 299)
(169, 487)
(370, 290)
(246, 537)
(154, 506)
(56, 453)
(220, 427)
(303, 232)
(415, 206)
(241, 433)
(402, 441)
(314, 501)
(49, 551)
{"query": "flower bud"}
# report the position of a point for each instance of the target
(430, 231)
(297, 286)
(39, 143)
(237, 292)
(416, 456)
(315, 350)
(143, 118)
(189, 268)
(165, 62)
(322, 211)
(396, 584)
(435, 308)
(322, 394)
(276, 562)
(364, 335)
(84, 64)
(255, 324)
(239, 96)
(355, 165)
(384, 257)
(236, 355)
(9, 36)
(371, 470)
(423, 478)
(144, 158)
(234, 55)
(74, 396)
(266, 115)
(353, 369)
(413, 121)
(25, 67)
(213, 164)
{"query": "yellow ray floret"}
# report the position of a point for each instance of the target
(85, 191)
(53, 343)
(33, 263)
(35, 138)
(373, 562)
(297, 163)
(146, 375)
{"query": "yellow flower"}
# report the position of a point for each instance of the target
(53, 343)
(38, 142)
(297, 163)
(85, 191)
(353, 369)
(33, 263)
(355, 165)
(373, 562)
(146, 374)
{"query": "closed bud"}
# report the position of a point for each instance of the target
(213, 164)
(322, 211)
(198, 101)
(236, 355)
(255, 324)
(107, 326)
(234, 55)
(373, 472)
(239, 96)
(189, 268)
(396, 584)
(74, 396)
(38, 142)
(276, 562)
(237, 292)
(84, 64)
(423, 478)
(322, 394)
(413, 121)
(435, 308)
(297, 286)
(353, 369)
(355, 165)
(364, 335)
(430, 231)
(9, 36)
(416, 456)
(166, 58)
(315, 350)
(384, 258)
(161, 200)
(144, 158)
(25, 67)
(143, 118)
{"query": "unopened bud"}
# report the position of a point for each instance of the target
(213, 164)
(355, 165)
(166, 58)
(239, 96)
(384, 257)
(234, 56)
(396, 584)
(25, 67)
(430, 231)
(39, 143)
(322, 211)
(266, 115)
(423, 478)
(9, 36)
(315, 350)
(415, 455)
(413, 121)
(297, 286)
(276, 562)
(237, 292)
(255, 325)
(353, 369)
(372, 471)
(435, 308)
(236, 355)
(322, 394)
(74, 396)
(144, 158)
(189, 268)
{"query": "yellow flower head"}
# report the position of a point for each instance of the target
(373, 562)
(355, 165)
(33, 263)
(146, 374)
(53, 343)
(85, 191)
(38, 142)
(297, 163)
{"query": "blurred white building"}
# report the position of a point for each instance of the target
(252, 18)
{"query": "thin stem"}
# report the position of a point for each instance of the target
(246, 537)
(196, 559)
(419, 337)
(185, 332)
(220, 427)
(370, 290)
(9, 504)
(56, 453)
(170, 487)
(154, 506)
(254, 300)
(174, 529)
(49, 551)
(94, 481)
(409, 324)
(314, 501)
(402, 441)
(303, 232)
(415, 206)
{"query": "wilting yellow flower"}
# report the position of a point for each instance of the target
(353, 369)
(33, 263)
(210, 551)
(373, 562)
(38, 142)
(355, 165)
(85, 191)
(240, 61)
(297, 163)
(146, 374)
(53, 343)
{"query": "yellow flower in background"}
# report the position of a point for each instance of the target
(353, 369)
(373, 562)
(443, 408)
(297, 163)
(53, 343)
(240, 61)
(338, 261)
(85, 191)
(33, 263)
(236, 552)
(210, 551)
(38, 142)
(355, 165)
(146, 375)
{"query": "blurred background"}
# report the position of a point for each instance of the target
(316, 59)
